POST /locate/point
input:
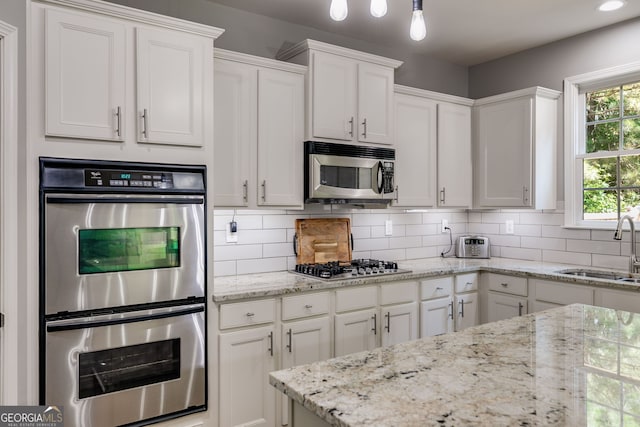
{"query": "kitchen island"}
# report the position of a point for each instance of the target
(576, 365)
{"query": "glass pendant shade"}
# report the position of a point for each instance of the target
(338, 10)
(378, 8)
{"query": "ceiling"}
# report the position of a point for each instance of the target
(465, 32)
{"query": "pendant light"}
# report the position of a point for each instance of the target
(418, 30)
(338, 10)
(378, 8)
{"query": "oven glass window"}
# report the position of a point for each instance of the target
(126, 249)
(346, 177)
(115, 369)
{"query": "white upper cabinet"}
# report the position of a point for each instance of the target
(515, 149)
(454, 155)
(415, 145)
(85, 78)
(123, 75)
(350, 93)
(258, 128)
(170, 84)
(433, 149)
(332, 97)
(280, 137)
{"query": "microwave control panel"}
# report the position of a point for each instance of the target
(387, 177)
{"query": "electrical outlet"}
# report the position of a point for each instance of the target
(388, 228)
(445, 224)
(232, 236)
(509, 226)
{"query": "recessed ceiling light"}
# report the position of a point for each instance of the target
(610, 5)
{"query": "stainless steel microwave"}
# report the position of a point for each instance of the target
(348, 174)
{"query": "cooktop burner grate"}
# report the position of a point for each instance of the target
(337, 270)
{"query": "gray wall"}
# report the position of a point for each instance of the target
(550, 64)
(263, 36)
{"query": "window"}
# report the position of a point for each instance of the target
(602, 155)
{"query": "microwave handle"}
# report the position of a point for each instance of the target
(380, 175)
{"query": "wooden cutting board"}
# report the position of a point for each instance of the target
(321, 240)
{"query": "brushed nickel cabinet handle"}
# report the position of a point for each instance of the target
(525, 192)
(375, 324)
(118, 121)
(145, 118)
(270, 350)
(451, 310)
(264, 190)
(442, 195)
(289, 333)
(308, 306)
(250, 314)
(520, 307)
(397, 194)
(462, 308)
(245, 191)
(388, 326)
(351, 124)
(505, 285)
(364, 128)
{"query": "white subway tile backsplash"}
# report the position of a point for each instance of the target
(236, 252)
(594, 247)
(565, 233)
(261, 265)
(566, 257)
(543, 243)
(265, 237)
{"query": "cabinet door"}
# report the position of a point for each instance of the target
(246, 358)
(502, 306)
(85, 78)
(466, 310)
(454, 155)
(235, 99)
(505, 142)
(170, 79)
(375, 103)
(436, 317)
(304, 341)
(415, 146)
(355, 331)
(618, 300)
(333, 97)
(280, 137)
(399, 323)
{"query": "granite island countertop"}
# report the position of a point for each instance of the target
(571, 366)
(230, 288)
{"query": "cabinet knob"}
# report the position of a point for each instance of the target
(249, 314)
(308, 306)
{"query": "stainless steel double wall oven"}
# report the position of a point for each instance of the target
(122, 291)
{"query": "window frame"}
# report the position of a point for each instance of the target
(574, 135)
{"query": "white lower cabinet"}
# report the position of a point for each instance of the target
(618, 300)
(507, 297)
(505, 306)
(436, 317)
(466, 310)
(246, 358)
(247, 353)
(551, 294)
(355, 331)
(304, 341)
(399, 323)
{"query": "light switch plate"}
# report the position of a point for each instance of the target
(509, 226)
(388, 227)
(445, 224)
(231, 237)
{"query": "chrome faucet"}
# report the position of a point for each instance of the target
(634, 265)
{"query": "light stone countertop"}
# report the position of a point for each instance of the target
(571, 366)
(230, 288)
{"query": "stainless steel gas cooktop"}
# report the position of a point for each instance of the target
(356, 268)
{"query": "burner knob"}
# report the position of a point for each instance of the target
(374, 270)
(368, 270)
(361, 270)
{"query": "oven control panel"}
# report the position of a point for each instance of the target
(122, 178)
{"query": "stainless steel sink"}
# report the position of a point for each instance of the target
(598, 274)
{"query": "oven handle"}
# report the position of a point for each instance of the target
(168, 200)
(122, 318)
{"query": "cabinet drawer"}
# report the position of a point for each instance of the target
(305, 305)
(560, 293)
(436, 288)
(466, 282)
(247, 313)
(399, 292)
(356, 298)
(508, 284)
